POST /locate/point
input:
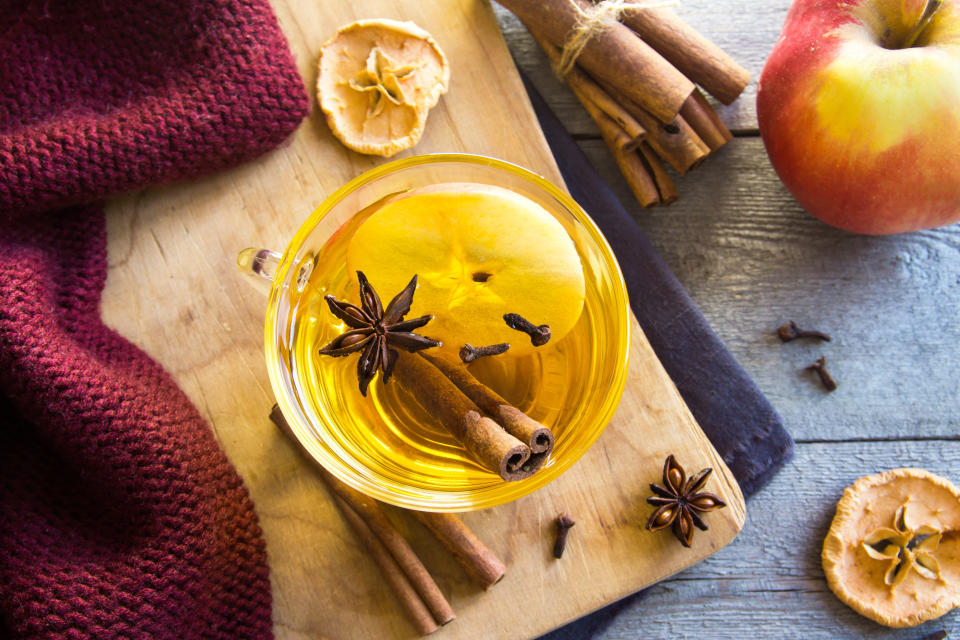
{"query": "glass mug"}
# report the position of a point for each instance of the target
(385, 445)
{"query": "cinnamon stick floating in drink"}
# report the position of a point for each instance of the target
(485, 440)
(518, 424)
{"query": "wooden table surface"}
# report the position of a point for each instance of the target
(752, 259)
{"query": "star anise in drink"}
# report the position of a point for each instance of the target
(373, 330)
(679, 501)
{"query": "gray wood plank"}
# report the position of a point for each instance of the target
(752, 259)
(769, 583)
(746, 29)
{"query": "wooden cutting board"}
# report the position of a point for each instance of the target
(174, 291)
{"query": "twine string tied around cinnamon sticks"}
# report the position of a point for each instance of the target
(593, 20)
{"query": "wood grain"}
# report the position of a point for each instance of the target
(173, 290)
(760, 260)
(769, 583)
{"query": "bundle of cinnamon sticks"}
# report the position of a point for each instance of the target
(401, 568)
(500, 437)
(637, 78)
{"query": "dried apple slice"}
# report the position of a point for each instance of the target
(893, 550)
(377, 81)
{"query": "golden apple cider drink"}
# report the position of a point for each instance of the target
(387, 430)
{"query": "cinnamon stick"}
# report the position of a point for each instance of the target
(638, 178)
(485, 440)
(613, 134)
(615, 55)
(410, 600)
(700, 115)
(690, 52)
(369, 510)
(480, 563)
(373, 516)
(634, 172)
(676, 142)
(518, 424)
(590, 93)
(613, 121)
(665, 186)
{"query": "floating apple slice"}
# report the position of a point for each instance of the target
(479, 252)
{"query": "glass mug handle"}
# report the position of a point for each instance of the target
(254, 261)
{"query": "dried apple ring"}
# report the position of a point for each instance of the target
(893, 550)
(377, 81)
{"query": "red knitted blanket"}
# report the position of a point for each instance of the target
(119, 515)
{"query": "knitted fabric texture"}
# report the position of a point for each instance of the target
(102, 96)
(120, 517)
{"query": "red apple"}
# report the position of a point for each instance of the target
(859, 109)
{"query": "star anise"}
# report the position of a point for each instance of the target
(904, 548)
(679, 501)
(374, 330)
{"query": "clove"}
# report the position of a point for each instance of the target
(564, 522)
(820, 366)
(791, 331)
(469, 353)
(539, 335)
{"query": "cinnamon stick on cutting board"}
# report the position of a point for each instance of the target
(410, 600)
(368, 511)
(480, 563)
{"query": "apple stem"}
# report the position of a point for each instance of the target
(928, 11)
